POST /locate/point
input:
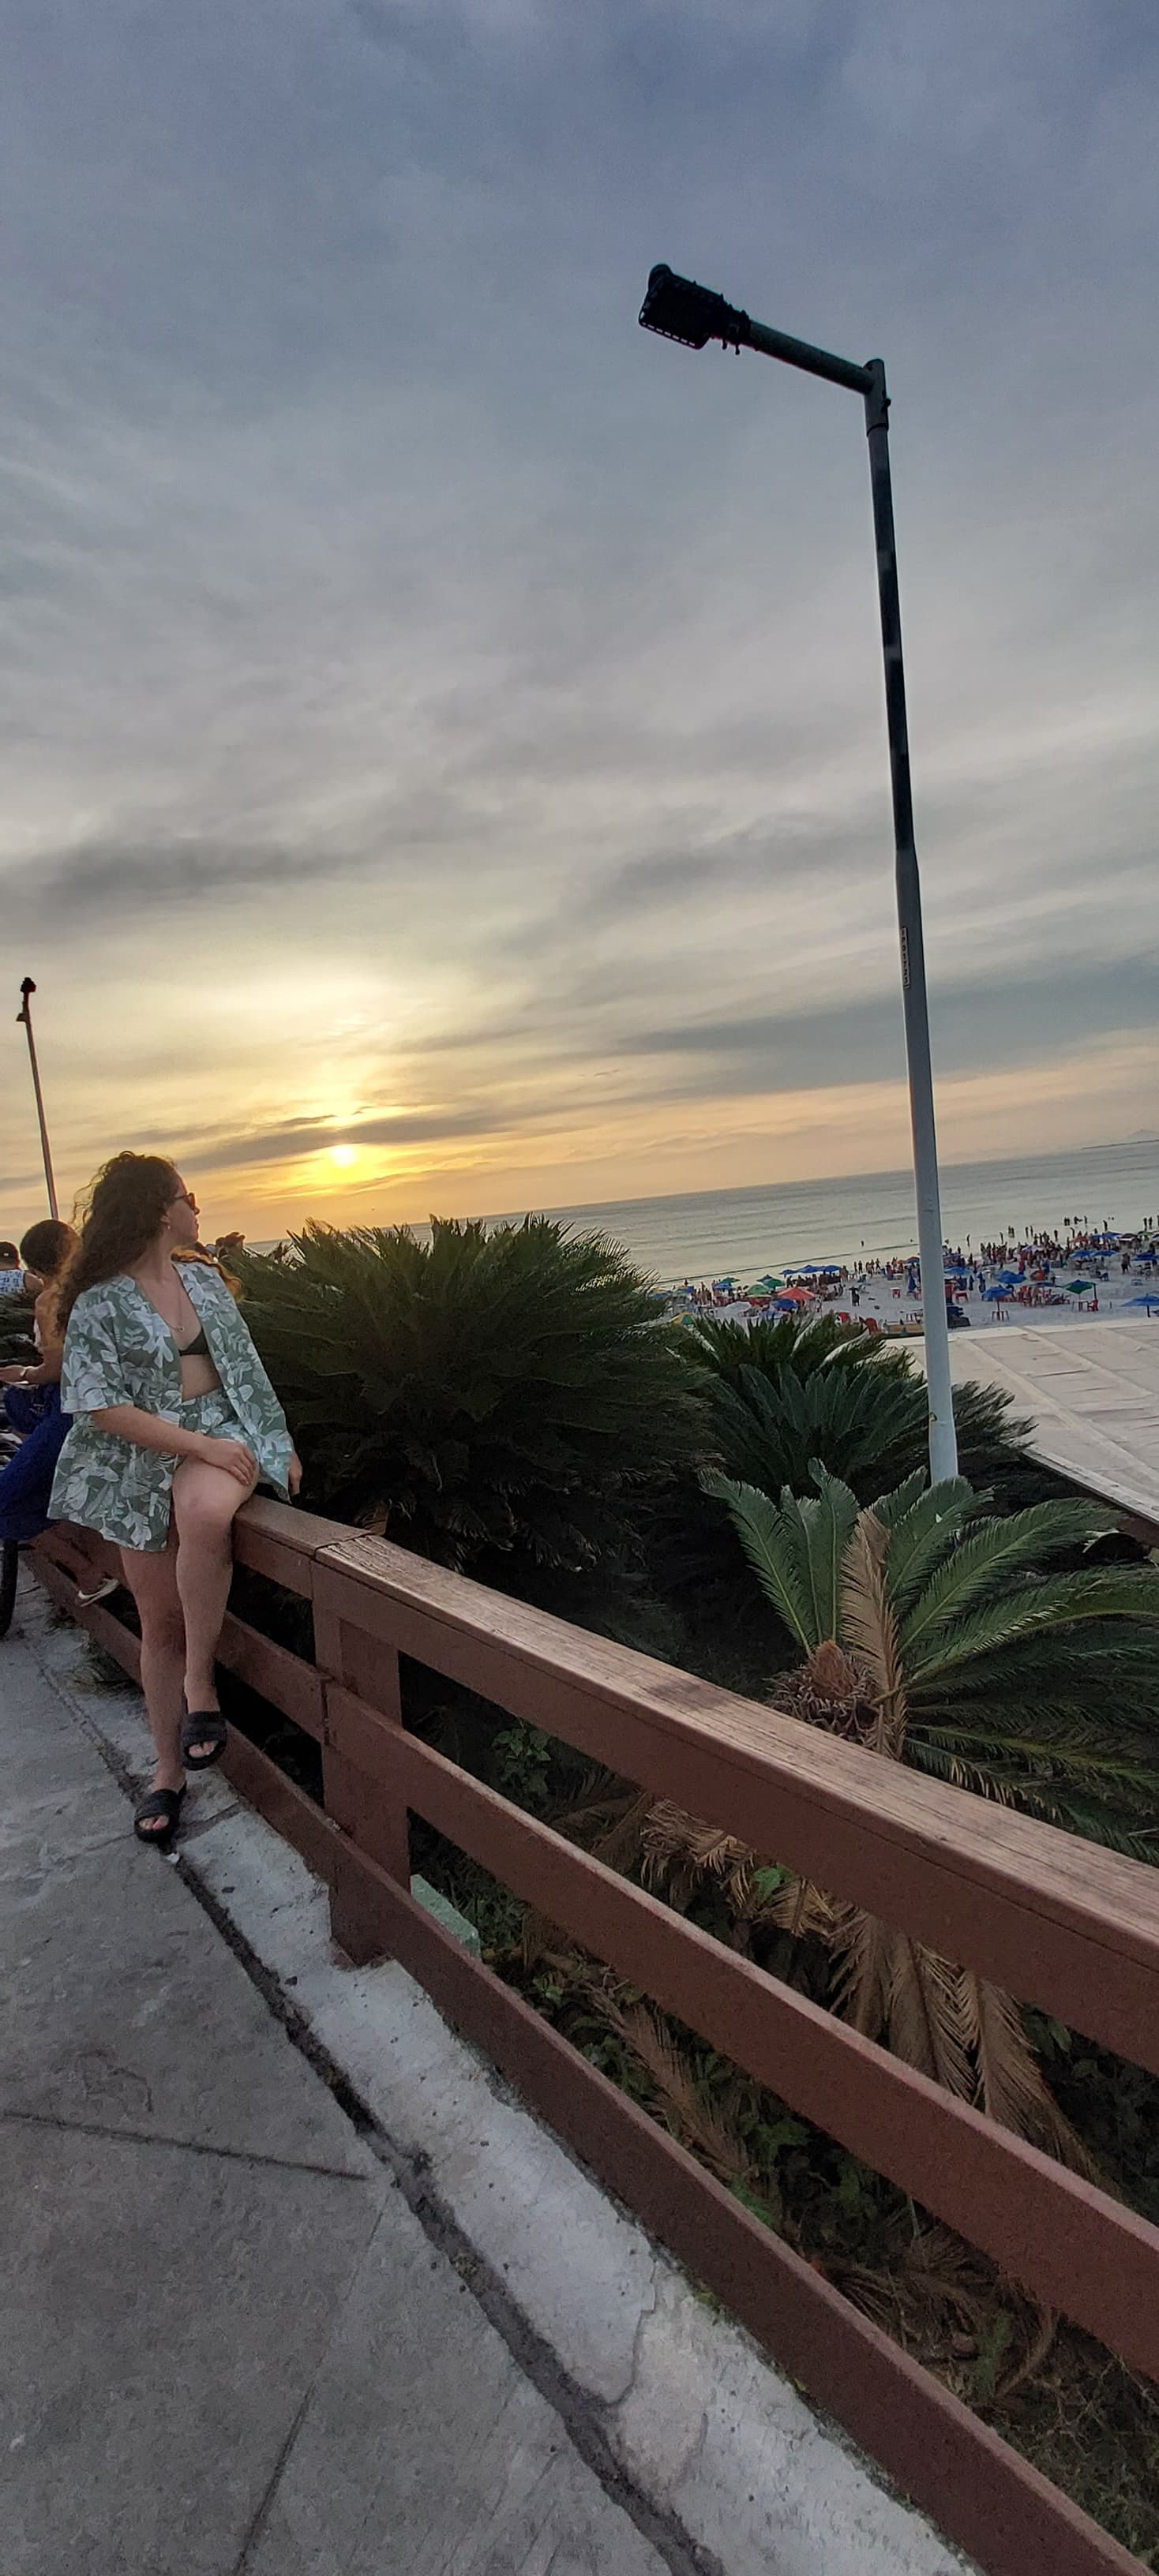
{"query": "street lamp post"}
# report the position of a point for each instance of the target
(680, 310)
(24, 1020)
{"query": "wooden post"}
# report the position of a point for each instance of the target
(366, 1807)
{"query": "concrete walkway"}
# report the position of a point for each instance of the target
(246, 2334)
(227, 2341)
(1092, 1393)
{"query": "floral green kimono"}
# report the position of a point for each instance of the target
(119, 1350)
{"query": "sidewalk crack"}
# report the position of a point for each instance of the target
(185, 2146)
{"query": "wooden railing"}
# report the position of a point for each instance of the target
(1059, 1922)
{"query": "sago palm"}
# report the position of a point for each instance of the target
(493, 1391)
(785, 1392)
(932, 1635)
(1039, 1688)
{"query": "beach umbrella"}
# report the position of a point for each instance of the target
(991, 1293)
(1077, 1287)
(1151, 1303)
(1010, 1278)
(793, 1297)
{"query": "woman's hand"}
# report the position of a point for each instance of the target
(12, 1374)
(227, 1454)
(294, 1474)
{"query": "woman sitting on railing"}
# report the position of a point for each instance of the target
(174, 1421)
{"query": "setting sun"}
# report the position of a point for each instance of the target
(343, 1155)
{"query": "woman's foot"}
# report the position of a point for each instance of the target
(204, 1730)
(157, 1815)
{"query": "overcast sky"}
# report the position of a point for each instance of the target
(444, 721)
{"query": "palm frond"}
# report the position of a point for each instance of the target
(827, 1523)
(861, 1950)
(926, 2022)
(775, 1540)
(679, 1851)
(991, 1552)
(1010, 2087)
(924, 1524)
(674, 2078)
(799, 1908)
(869, 1625)
(1028, 1609)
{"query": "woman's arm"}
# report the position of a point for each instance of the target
(259, 1388)
(149, 1431)
(44, 1371)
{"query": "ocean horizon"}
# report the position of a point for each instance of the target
(707, 1234)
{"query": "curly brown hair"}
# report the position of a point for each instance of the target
(127, 1202)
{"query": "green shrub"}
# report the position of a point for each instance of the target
(494, 1395)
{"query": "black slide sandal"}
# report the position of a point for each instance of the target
(160, 1802)
(203, 1726)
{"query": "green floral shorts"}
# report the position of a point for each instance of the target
(213, 1414)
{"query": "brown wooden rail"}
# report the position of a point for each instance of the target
(1058, 1921)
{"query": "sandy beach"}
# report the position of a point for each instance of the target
(891, 1305)
(991, 1315)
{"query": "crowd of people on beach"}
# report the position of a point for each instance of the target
(1041, 1267)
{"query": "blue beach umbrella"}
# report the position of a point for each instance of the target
(992, 1293)
(1151, 1303)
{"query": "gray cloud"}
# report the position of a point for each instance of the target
(379, 598)
(292, 1137)
(1004, 1022)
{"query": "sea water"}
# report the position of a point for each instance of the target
(871, 1216)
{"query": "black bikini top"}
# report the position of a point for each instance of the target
(197, 1349)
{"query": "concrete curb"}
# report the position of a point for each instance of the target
(732, 2473)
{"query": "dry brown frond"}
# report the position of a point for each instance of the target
(536, 1935)
(678, 1851)
(869, 1623)
(1032, 2359)
(605, 1819)
(861, 1947)
(940, 2300)
(926, 2018)
(671, 2073)
(619, 1845)
(1010, 2085)
(797, 1906)
(892, 1989)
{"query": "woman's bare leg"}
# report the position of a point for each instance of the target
(205, 1500)
(151, 1576)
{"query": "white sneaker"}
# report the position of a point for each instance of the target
(100, 1591)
